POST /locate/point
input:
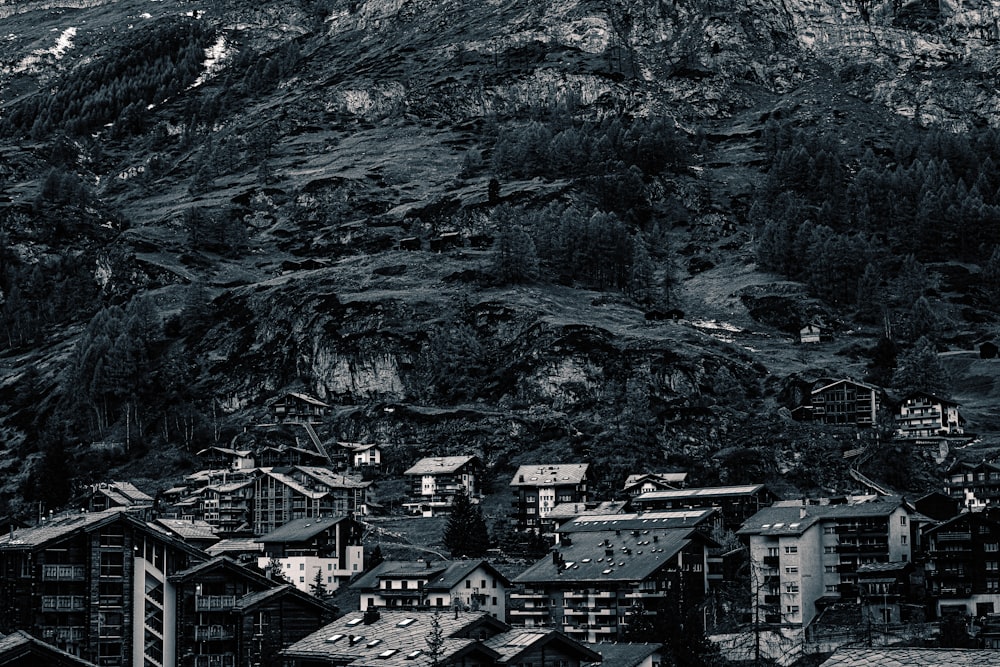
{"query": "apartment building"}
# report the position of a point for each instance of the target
(330, 546)
(539, 488)
(846, 403)
(281, 495)
(806, 555)
(95, 585)
(974, 485)
(962, 565)
(435, 481)
(924, 415)
(592, 588)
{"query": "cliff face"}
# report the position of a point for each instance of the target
(367, 138)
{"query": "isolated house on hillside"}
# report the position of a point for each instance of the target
(814, 332)
(846, 402)
(540, 487)
(924, 415)
(435, 481)
(296, 407)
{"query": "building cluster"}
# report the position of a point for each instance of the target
(846, 402)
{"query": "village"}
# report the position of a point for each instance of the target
(241, 564)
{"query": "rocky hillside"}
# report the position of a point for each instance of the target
(207, 203)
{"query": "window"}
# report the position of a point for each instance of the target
(468, 583)
(830, 550)
(991, 565)
(990, 546)
(494, 602)
(793, 549)
(791, 588)
(902, 540)
(792, 609)
(830, 569)
(302, 566)
(484, 585)
(302, 580)
(993, 585)
(902, 521)
(772, 551)
(831, 588)
(829, 530)
(791, 570)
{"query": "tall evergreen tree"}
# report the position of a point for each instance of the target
(465, 534)
(920, 369)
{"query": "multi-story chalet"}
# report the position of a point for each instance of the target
(470, 584)
(804, 556)
(655, 481)
(924, 415)
(590, 589)
(846, 402)
(296, 407)
(399, 639)
(228, 615)
(95, 585)
(884, 590)
(227, 505)
(288, 455)
(539, 488)
(974, 484)
(283, 494)
(735, 503)
(963, 563)
(227, 458)
(435, 481)
(303, 546)
(109, 495)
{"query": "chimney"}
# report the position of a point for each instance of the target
(428, 563)
(371, 616)
(520, 479)
(351, 639)
(656, 538)
(802, 512)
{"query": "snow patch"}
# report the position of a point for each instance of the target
(715, 324)
(64, 42)
(215, 56)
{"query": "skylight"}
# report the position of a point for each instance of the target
(413, 654)
(354, 621)
(388, 654)
(406, 622)
(373, 643)
(334, 639)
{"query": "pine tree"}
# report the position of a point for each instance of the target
(640, 280)
(514, 257)
(318, 587)
(465, 534)
(920, 369)
(276, 572)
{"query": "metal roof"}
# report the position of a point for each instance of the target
(300, 530)
(550, 475)
(687, 518)
(439, 465)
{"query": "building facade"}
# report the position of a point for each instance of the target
(327, 549)
(846, 403)
(435, 481)
(539, 488)
(963, 564)
(924, 415)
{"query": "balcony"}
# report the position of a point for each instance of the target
(207, 633)
(64, 573)
(225, 660)
(862, 548)
(953, 537)
(529, 596)
(64, 634)
(772, 599)
(861, 529)
(771, 561)
(110, 632)
(529, 611)
(62, 603)
(214, 602)
(847, 568)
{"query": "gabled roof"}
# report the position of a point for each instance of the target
(305, 398)
(124, 493)
(257, 598)
(225, 563)
(193, 529)
(963, 518)
(933, 397)
(913, 657)
(550, 475)
(834, 383)
(330, 478)
(301, 530)
(791, 517)
(440, 465)
(392, 637)
(633, 557)
(666, 519)
(663, 481)
(293, 483)
(514, 643)
(702, 492)
(62, 526)
(623, 654)
(399, 569)
(21, 648)
(235, 545)
(571, 510)
(457, 571)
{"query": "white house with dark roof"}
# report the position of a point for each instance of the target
(436, 480)
(468, 584)
(924, 415)
(538, 488)
(331, 546)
